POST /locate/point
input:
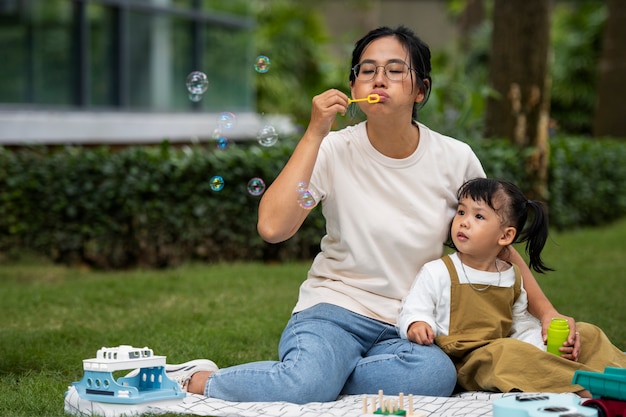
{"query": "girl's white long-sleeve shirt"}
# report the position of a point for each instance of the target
(429, 300)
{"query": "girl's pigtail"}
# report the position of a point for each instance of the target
(536, 234)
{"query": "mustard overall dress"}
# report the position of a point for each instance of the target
(487, 359)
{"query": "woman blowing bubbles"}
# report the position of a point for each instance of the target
(387, 187)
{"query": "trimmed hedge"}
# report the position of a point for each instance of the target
(588, 182)
(587, 177)
(154, 207)
(150, 206)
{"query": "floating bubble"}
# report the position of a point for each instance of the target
(267, 136)
(301, 187)
(262, 64)
(187, 150)
(195, 97)
(197, 83)
(222, 143)
(217, 183)
(227, 120)
(306, 200)
(256, 186)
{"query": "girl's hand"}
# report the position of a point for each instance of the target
(571, 347)
(325, 108)
(421, 333)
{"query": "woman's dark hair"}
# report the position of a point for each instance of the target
(514, 209)
(416, 48)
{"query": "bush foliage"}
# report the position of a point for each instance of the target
(138, 206)
(154, 206)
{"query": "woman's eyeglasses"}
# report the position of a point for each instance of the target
(394, 71)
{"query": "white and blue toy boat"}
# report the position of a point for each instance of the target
(150, 383)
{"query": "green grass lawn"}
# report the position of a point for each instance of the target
(53, 317)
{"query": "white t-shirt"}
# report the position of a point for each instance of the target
(385, 218)
(429, 301)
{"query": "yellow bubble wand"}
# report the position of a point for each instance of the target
(372, 98)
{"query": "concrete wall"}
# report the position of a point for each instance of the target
(348, 20)
(20, 127)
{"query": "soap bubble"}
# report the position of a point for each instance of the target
(306, 200)
(262, 64)
(301, 187)
(197, 83)
(305, 197)
(267, 136)
(217, 183)
(256, 186)
(227, 120)
(187, 151)
(222, 143)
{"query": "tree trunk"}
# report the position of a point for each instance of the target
(609, 117)
(518, 71)
(472, 17)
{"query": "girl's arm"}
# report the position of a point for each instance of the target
(422, 304)
(540, 307)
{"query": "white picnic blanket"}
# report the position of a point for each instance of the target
(469, 404)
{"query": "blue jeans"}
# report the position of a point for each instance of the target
(327, 351)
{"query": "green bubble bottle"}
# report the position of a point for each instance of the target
(558, 331)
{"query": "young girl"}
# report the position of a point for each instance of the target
(473, 304)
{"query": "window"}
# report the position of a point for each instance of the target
(124, 54)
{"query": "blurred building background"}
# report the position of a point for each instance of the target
(113, 71)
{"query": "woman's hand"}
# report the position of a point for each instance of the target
(540, 307)
(325, 107)
(571, 348)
